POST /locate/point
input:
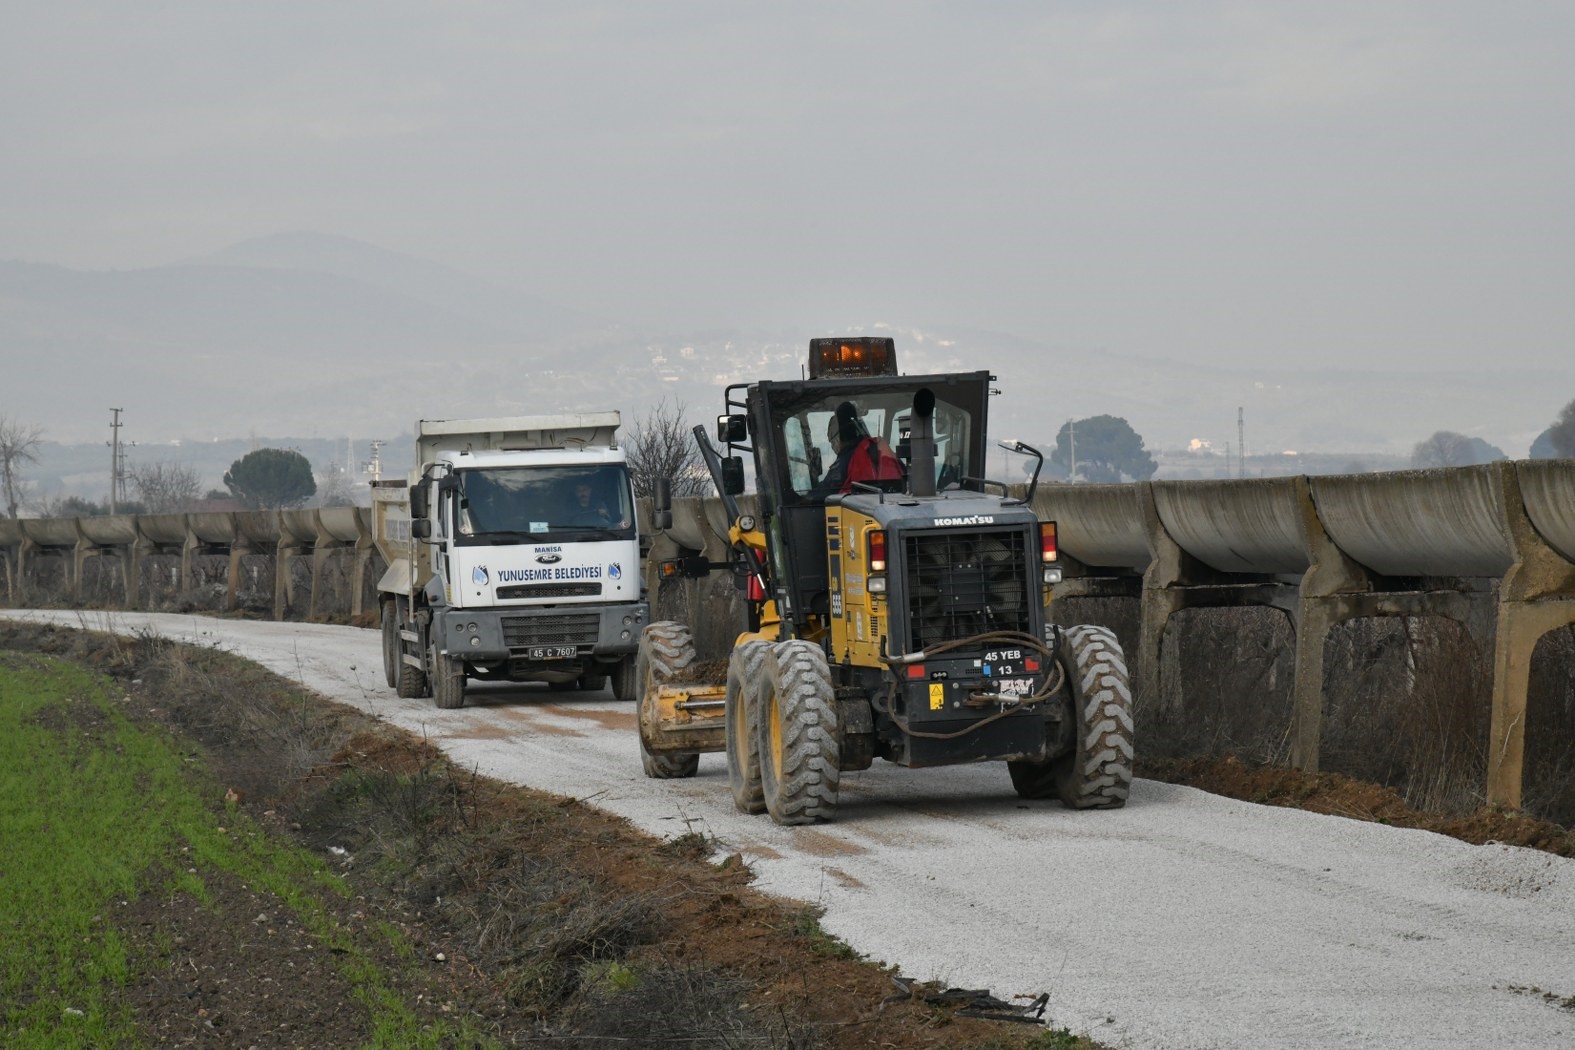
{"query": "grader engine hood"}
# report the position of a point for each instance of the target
(916, 572)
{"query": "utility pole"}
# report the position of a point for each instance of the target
(1241, 443)
(114, 456)
(1071, 444)
(374, 466)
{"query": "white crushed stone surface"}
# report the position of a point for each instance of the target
(1185, 921)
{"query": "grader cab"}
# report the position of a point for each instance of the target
(897, 603)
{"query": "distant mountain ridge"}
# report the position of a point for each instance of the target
(443, 287)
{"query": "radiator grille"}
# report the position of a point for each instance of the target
(520, 632)
(551, 590)
(965, 583)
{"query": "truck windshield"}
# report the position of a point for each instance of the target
(542, 502)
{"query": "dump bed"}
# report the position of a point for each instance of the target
(575, 430)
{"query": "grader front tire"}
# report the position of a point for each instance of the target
(667, 650)
(799, 735)
(1097, 773)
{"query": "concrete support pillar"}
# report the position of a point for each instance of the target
(24, 554)
(232, 584)
(1314, 619)
(284, 582)
(188, 555)
(79, 556)
(1520, 626)
(363, 558)
(1535, 597)
(364, 549)
(132, 555)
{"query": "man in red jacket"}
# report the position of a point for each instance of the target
(860, 457)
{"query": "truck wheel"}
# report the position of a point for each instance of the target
(448, 680)
(390, 643)
(625, 683)
(667, 650)
(412, 684)
(798, 734)
(743, 725)
(1097, 773)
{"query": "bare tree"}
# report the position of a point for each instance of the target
(18, 445)
(1444, 449)
(661, 445)
(165, 488)
(1562, 432)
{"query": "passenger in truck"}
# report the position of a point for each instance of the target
(585, 508)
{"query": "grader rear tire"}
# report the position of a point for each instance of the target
(1097, 773)
(799, 734)
(743, 725)
(667, 650)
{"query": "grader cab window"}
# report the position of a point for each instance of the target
(808, 431)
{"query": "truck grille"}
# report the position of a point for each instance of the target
(521, 632)
(964, 583)
(551, 590)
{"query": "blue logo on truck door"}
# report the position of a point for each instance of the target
(478, 575)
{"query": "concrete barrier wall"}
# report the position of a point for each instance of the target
(163, 530)
(1252, 526)
(1548, 488)
(1100, 525)
(1418, 523)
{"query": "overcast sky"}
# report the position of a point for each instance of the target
(1364, 183)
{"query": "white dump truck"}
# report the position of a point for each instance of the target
(513, 554)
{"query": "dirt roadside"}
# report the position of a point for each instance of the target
(539, 920)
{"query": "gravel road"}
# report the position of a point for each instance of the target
(1184, 921)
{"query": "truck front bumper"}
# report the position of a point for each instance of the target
(557, 632)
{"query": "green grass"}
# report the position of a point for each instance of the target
(95, 811)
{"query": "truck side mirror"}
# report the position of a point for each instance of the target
(420, 504)
(421, 528)
(732, 429)
(662, 504)
(732, 476)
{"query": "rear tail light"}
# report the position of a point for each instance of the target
(1047, 547)
(876, 539)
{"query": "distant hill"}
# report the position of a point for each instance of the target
(326, 339)
(441, 287)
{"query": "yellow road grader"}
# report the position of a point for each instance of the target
(897, 603)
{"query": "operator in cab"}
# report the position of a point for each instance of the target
(860, 456)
